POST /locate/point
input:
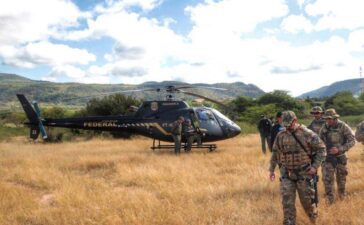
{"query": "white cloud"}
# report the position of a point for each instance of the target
(214, 19)
(146, 49)
(296, 24)
(44, 53)
(337, 14)
(356, 41)
(68, 71)
(27, 21)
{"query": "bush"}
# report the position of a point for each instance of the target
(345, 104)
(116, 104)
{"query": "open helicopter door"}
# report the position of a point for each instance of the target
(197, 144)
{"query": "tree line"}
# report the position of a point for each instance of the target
(244, 109)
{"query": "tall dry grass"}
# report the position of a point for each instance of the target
(124, 182)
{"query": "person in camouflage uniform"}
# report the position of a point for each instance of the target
(338, 138)
(177, 134)
(299, 152)
(359, 133)
(318, 121)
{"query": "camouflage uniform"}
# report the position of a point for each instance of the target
(359, 133)
(317, 123)
(177, 134)
(189, 133)
(341, 136)
(294, 161)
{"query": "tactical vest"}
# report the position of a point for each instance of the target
(334, 135)
(316, 125)
(291, 155)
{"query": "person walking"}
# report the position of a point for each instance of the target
(299, 153)
(264, 127)
(338, 138)
(276, 128)
(318, 121)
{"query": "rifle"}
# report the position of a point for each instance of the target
(315, 178)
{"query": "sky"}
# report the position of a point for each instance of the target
(293, 45)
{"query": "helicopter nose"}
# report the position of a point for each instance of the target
(236, 130)
(233, 130)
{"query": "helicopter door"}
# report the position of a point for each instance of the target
(208, 121)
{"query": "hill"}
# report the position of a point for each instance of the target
(50, 92)
(124, 182)
(352, 85)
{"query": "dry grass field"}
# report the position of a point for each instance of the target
(124, 182)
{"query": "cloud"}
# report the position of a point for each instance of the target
(334, 15)
(44, 53)
(356, 41)
(28, 21)
(296, 24)
(288, 70)
(129, 72)
(229, 41)
(122, 52)
(214, 19)
(68, 71)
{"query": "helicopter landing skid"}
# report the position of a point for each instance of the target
(210, 147)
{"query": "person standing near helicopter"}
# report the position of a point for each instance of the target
(177, 134)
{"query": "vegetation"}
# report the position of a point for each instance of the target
(68, 93)
(111, 182)
(250, 110)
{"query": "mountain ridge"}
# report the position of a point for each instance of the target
(352, 85)
(51, 92)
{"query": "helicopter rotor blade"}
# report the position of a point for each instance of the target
(212, 88)
(110, 93)
(203, 87)
(204, 97)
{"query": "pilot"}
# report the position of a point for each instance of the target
(177, 134)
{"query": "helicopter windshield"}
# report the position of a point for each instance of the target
(205, 115)
(221, 116)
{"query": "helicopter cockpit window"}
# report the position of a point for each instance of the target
(221, 117)
(205, 115)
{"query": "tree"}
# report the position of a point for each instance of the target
(242, 103)
(116, 104)
(345, 104)
(283, 101)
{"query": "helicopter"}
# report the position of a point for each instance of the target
(153, 119)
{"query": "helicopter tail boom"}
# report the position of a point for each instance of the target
(28, 109)
(33, 115)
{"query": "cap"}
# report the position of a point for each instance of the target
(330, 113)
(316, 109)
(288, 117)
